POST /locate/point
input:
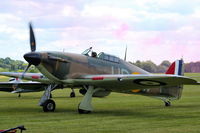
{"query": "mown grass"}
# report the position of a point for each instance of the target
(117, 113)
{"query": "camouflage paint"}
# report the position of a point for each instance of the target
(60, 67)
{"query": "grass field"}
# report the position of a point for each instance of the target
(117, 113)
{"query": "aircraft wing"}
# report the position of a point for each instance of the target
(141, 81)
(22, 87)
(27, 76)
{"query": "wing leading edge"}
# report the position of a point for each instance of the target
(27, 76)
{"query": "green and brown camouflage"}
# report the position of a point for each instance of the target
(61, 67)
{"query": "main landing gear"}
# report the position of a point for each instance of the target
(47, 103)
(85, 105)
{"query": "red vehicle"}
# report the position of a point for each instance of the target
(13, 130)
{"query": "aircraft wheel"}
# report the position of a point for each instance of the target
(49, 106)
(81, 111)
(72, 94)
(168, 103)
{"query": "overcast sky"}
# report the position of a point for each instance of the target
(154, 30)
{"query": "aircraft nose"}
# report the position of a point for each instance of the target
(33, 58)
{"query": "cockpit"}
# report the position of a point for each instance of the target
(101, 55)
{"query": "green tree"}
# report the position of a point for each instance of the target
(165, 63)
(162, 68)
(149, 66)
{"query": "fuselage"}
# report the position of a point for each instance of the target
(61, 66)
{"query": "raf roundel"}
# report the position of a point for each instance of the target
(146, 82)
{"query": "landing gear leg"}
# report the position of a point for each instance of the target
(45, 101)
(72, 94)
(85, 106)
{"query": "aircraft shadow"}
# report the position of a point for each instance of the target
(149, 112)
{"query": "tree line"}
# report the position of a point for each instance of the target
(9, 65)
(152, 67)
(193, 67)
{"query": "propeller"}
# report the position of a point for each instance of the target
(25, 71)
(33, 49)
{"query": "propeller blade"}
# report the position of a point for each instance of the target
(32, 39)
(25, 71)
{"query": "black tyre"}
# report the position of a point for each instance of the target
(81, 111)
(72, 94)
(168, 103)
(49, 106)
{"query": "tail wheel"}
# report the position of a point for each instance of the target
(49, 106)
(167, 103)
(72, 94)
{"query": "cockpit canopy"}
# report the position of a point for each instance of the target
(101, 55)
(108, 57)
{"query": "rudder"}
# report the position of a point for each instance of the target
(176, 68)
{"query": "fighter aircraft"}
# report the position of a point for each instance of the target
(16, 85)
(99, 75)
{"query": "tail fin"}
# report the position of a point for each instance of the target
(176, 68)
(175, 92)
